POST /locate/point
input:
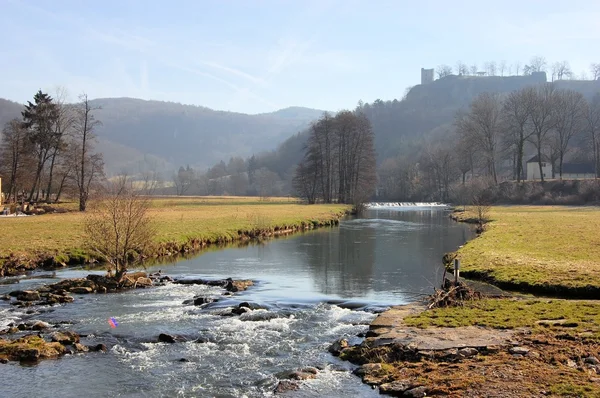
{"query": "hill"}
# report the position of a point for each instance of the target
(403, 128)
(138, 134)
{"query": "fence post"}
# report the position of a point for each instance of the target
(456, 270)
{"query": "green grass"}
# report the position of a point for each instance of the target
(177, 219)
(548, 248)
(576, 316)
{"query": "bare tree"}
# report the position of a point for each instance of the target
(595, 69)
(443, 71)
(560, 70)
(502, 67)
(517, 68)
(542, 119)
(462, 69)
(482, 126)
(15, 152)
(473, 69)
(183, 180)
(490, 68)
(87, 167)
(569, 119)
(62, 126)
(465, 157)
(118, 227)
(340, 156)
(537, 64)
(305, 181)
(592, 119)
(517, 109)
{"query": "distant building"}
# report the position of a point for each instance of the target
(426, 76)
(573, 171)
(570, 171)
(533, 168)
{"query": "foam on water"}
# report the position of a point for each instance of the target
(375, 205)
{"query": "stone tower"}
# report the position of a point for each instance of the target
(426, 76)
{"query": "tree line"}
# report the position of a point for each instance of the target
(50, 151)
(558, 70)
(339, 160)
(489, 142)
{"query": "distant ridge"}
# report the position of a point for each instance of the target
(141, 134)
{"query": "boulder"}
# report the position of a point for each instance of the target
(467, 352)
(519, 350)
(40, 325)
(416, 392)
(55, 299)
(240, 310)
(5, 297)
(65, 338)
(237, 285)
(98, 347)
(592, 360)
(81, 348)
(285, 386)
(396, 388)
(203, 300)
(103, 281)
(29, 355)
(166, 338)
(368, 368)
(337, 347)
(299, 375)
(28, 295)
(310, 369)
(143, 282)
(81, 290)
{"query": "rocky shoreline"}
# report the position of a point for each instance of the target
(53, 341)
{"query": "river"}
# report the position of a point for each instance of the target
(316, 287)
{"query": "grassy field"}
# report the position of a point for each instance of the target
(572, 316)
(177, 220)
(534, 248)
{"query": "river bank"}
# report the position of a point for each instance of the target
(184, 225)
(497, 347)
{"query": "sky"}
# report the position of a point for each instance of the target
(255, 56)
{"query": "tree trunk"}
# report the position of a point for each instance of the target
(520, 162)
(540, 163)
(560, 164)
(38, 173)
(49, 188)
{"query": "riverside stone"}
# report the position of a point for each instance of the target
(337, 347)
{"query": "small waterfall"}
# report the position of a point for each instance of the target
(375, 205)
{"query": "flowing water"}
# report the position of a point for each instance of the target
(315, 287)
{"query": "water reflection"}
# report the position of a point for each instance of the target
(384, 256)
(389, 253)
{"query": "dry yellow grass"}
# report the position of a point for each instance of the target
(547, 248)
(177, 219)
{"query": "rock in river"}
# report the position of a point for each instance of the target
(65, 337)
(337, 347)
(166, 338)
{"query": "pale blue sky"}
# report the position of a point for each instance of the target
(257, 56)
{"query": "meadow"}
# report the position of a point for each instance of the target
(177, 220)
(545, 249)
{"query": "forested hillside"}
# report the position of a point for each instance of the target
(411, 133)
(140, 135)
